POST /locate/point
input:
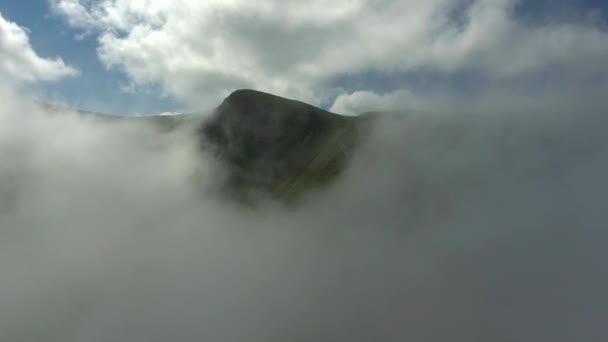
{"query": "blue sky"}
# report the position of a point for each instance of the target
(97, 88)
(99, 84)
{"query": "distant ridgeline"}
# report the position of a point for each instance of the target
(277, 147)
(267, 145)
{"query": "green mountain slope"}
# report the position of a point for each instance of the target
(278, 147)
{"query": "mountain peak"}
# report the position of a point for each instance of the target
(275, 146)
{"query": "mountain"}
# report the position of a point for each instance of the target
(276, 147)
(266, 145)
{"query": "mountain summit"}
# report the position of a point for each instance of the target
(277, 147)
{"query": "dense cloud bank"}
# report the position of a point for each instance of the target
(482, 226)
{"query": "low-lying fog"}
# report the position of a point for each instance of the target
(446, 227)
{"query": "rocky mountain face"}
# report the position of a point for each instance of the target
(276, 147)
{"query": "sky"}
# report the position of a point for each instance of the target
(147, 57)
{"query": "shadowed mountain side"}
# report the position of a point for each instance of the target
(278, 147)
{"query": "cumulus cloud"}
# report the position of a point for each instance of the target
(200, 51)
(21, 64)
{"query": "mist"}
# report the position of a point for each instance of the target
(475, 225)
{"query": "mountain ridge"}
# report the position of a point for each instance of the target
(265, 145)
(278, 147)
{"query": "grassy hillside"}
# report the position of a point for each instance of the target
(278, 147)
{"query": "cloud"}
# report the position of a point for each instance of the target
(200, 51)
(479, 226)
(21, 64)
(493, 98)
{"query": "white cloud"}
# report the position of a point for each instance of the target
(20, 64)
(565, 97)
(107, 233)
(200, 51)
(364, 101)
